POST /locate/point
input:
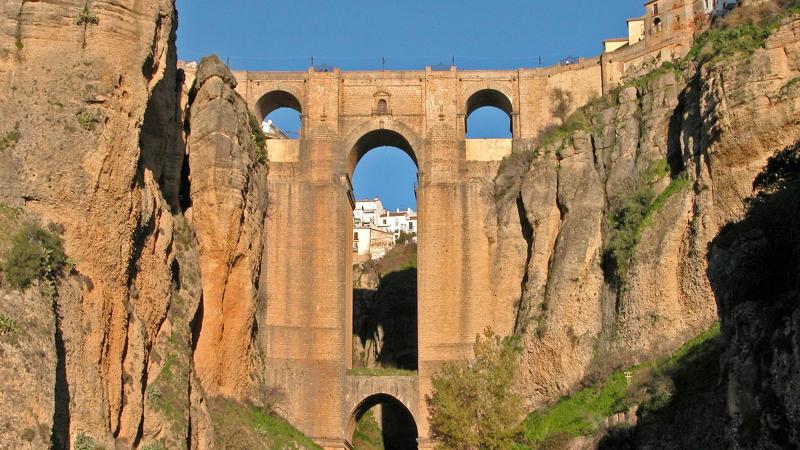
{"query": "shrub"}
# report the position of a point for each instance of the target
(473, 404)
(35, 254)
(8, 325)
(10, 138)
(89, 119)
(86, 17)
(259, 139)
(83, 442)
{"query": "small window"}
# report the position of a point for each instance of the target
(383, 107)
(355, 236)
(411, 225)
(655, 9)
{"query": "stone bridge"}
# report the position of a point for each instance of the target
(308, 260)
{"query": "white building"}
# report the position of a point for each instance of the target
(367, 211)
(399, 221)
(371, 242)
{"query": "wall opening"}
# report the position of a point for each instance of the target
(489, 116)
(280, 114)
(383, 242)
(382, 421)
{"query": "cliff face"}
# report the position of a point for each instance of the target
(609, 217)
(92, 101)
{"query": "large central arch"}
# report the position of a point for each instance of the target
(369, 136)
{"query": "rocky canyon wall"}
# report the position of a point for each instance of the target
(609, 217)
(93, 103)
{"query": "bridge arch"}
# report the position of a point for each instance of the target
(275, 99)
(370, 135)
(392, 405)
(489, 97)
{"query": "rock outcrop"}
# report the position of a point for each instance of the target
(228, 197)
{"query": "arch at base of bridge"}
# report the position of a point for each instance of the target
(364, 392)
(395, 414)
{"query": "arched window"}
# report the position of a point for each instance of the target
(383, 107)
(488, 115)
(281, 115)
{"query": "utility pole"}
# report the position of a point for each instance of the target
(312, 61)
(383, 63)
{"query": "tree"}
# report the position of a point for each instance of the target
(562, 103)
(473, 404)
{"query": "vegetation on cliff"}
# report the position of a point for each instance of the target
(35, 254)
(654, 387)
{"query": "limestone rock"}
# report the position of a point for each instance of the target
(229, 205)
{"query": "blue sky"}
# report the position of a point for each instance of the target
(409, 34)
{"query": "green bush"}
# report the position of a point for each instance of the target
(473, 404)
(35, 254)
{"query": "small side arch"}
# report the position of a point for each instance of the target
(399, 411)
(276, 99)
(489, 97)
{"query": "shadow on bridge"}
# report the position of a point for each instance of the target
(388, 323)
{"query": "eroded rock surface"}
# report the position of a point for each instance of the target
(696, 140)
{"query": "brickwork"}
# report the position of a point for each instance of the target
(306, 325)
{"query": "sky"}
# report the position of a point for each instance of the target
(398, 34)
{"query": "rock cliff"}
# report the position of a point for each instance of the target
(93, 143)
(608, 217)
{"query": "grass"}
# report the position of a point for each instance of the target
(380, 372)
(237, 425)
(679, 184)
(632, 214)
(741, 33)
(784, 89)
(368, 434)
(558, 135)
(582, 413)
(665, 68)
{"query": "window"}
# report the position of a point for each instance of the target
(383, 107)
(355, 236)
